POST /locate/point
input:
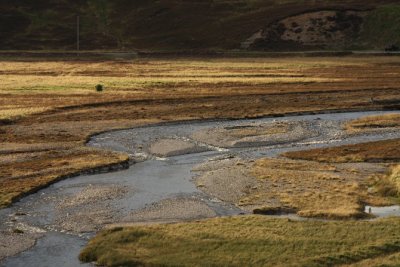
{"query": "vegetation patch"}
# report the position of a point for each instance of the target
(310, 189)
(395, 177)
(12, 113)
(386, 184)
(391, 259)
(374, 123)
(49, 108)
(380, 151)
(25, 173)
(314, 189)
(246, 240)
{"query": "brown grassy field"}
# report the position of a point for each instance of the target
(49, 108)
(273, 186)
(387, 151)
(391, 259)
(380, 151)
(374, 123)
(248, 241)
(335, 191)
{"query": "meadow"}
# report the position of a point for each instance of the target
(49, 108)
(249, 240)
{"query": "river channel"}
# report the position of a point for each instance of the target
(158, 187)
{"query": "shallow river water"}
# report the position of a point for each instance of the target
(48, 213)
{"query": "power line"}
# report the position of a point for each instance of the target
(77, 34)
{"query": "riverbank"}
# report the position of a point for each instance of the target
(162, 189)
(39, 147)
(46, 144)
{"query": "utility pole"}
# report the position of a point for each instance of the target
(77, 35)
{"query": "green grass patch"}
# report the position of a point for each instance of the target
(245, 241)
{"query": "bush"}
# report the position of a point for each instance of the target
(99, 88)
(18, 231)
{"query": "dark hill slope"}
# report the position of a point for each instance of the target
(199, 24)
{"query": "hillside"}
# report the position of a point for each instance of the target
(200, 24)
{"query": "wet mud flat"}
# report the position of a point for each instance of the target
(160, 186)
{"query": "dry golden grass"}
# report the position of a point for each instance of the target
(371, 123)
(75, 77)
(389, 260)
(85, 84)
(315, 189)
(380, 151)
(395, 177)
(24, 173)
(258, 130)
(65, 77)
(246, 241)
(385, 185)
(54, 102)
(13, 113)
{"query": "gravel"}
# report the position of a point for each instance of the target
(174, 147)
(173, 209)
(225, 179)
(89, 210)
(13, 243)
(254, 135)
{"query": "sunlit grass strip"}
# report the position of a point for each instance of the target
(377, 151)
(176, 65)
(29, 176)
(310, 189)
(245, 241)
(74, 83)
(9, 114)
(395, 177)
(374, 122)
(391, 259)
